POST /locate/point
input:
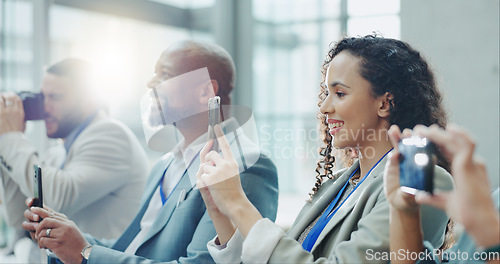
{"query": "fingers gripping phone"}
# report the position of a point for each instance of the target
(416, 164)
(213, 119)
(38, 198)
(37, 187)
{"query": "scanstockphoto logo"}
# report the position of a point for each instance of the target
(406, 255)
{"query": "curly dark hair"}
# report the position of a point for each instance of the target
(391, 66)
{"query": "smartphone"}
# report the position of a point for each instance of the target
(416, 164)
(37, 187)
(213, 119)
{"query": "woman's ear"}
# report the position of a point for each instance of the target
(209, 90)
(386, 104)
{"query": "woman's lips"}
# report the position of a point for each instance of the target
(334, 125)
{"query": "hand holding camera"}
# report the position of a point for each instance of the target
(469, 203)
(406, 171)
(33, 105)
(16, 109)
(11, 113)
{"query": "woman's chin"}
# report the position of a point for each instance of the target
(342, 144)
(338, 145)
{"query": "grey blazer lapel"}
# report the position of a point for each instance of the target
(351, 201)
(135, 227)
(169, 207)
(316, 208)
(155, 180)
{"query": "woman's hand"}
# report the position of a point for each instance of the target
(223, 225)
(218, 177)
(212, 208)
(220, 185)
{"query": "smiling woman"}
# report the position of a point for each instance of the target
(365, 82)
(346, 92)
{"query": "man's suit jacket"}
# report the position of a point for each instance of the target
(358, 230)
(183, 227)
(104, 175)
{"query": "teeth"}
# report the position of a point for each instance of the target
(334, 125)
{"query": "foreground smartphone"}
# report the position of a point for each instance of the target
(213, 119)
(416, 164)
(37, 187)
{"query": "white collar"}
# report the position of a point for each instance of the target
(191, 151)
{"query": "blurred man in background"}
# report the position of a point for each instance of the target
(97, 173)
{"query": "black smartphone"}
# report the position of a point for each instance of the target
(417, 159)
(37, 187)
(213, 119)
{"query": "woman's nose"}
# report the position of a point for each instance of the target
(327, 106)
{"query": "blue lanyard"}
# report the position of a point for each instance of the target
(313, 235)
(162, 193)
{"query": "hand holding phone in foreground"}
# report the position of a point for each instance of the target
(469, 203)
(219, 182)
(33, 219)
(55, 232)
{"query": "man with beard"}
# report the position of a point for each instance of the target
(172, 224)
(97, 173)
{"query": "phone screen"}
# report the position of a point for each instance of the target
(213, 119)
(37, 187)
(416, 164)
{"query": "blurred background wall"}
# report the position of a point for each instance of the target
(278, 47)
(461, 40)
